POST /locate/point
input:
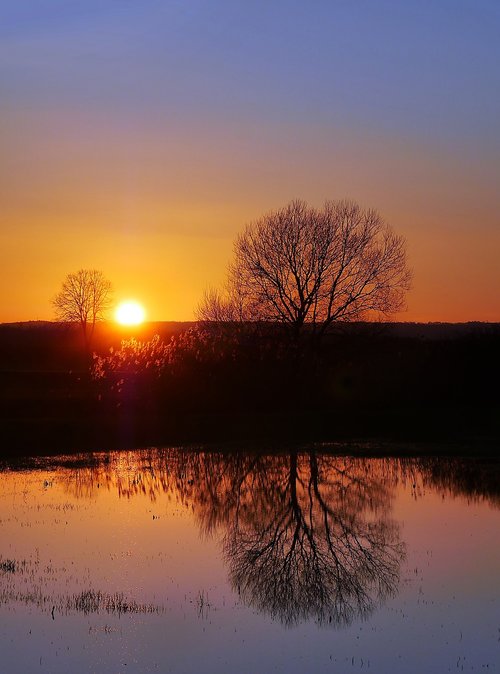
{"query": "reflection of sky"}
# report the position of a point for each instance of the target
(99, 538)
(154, 125)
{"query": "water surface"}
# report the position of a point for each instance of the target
(190, 561)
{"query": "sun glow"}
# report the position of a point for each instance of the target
(130, 313)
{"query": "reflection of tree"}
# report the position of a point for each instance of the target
(208, 480)
(476, 479)
(127, 473)
(305, 535)
(319, 552)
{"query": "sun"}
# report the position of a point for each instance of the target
(130, 313)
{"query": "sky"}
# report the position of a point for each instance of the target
(139, 138)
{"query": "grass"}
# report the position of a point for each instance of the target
(34, 589)
(95, 601)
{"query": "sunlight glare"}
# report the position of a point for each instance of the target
(130, 313)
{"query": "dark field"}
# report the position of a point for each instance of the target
(365, 383)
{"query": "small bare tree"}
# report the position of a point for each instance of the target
(219, 306)
(228, 304)
(301, 265)
(84, 298)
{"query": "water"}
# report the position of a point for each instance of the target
(187, 561)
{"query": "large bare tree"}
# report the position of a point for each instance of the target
(301, 265)
(84, 298)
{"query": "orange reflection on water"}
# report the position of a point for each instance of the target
(292, 537)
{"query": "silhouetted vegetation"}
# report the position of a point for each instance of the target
(31, 584)
(84, 299)
(227, 381)
(303, 266)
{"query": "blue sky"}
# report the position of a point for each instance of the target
(413, 67)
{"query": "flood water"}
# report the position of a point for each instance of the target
(198, 561)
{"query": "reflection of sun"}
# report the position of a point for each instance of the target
(130, 313)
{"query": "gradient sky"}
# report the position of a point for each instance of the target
(139, 137)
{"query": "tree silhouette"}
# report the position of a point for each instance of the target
(221, 306)
(302, 265)
(84, 298)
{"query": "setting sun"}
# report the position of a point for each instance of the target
(130, 313)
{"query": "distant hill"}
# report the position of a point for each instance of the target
(441, 330)
(428, 331)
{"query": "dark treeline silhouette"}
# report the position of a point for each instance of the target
(228, 381)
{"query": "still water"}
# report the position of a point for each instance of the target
(195, 561)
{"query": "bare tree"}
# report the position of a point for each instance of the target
(220, 306)
(301, 265)
(84, 298)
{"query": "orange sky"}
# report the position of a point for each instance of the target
(146, 169)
